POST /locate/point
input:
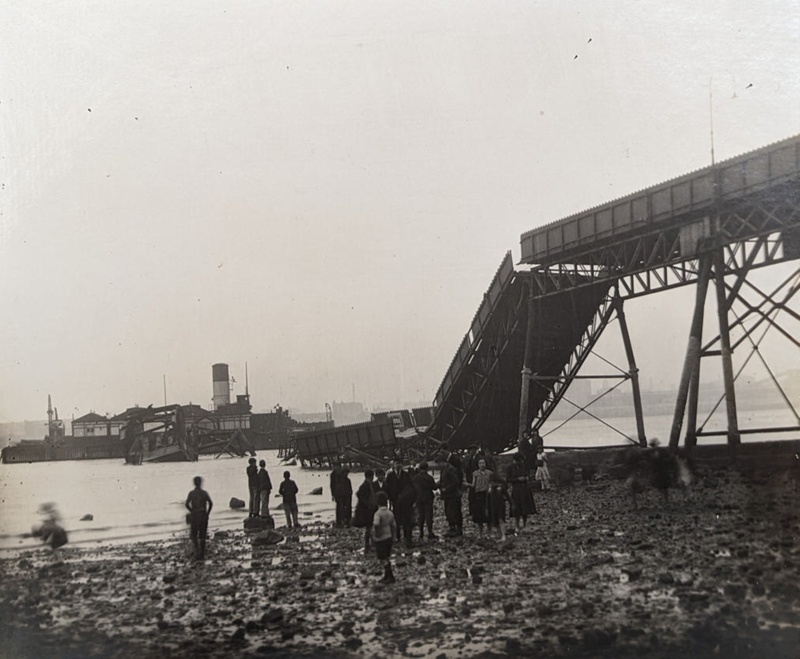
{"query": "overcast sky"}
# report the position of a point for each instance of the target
(324, 189)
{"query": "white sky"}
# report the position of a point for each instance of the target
(325, 189)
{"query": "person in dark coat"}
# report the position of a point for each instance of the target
(455, 461)
(342, 495)
(380, 481)
(526, 449)
(470, 467)
(288, 490)
(252, 486)
(365, 507)
(404, 508)
(344, 499)
(424, 486)
(400, 491)
(335, 477)
(264, 489)
(450, 489)
(518, 476)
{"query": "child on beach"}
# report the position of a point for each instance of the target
(288, 490)
(542, 472)
(383, 531)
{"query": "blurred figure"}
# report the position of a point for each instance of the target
(684, 474)
(664, 468)
(50, 530)
(199, 505)
(659, 467)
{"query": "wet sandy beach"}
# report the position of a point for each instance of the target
(714, 576)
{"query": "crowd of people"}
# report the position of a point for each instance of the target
(391, 504)
(409, 492)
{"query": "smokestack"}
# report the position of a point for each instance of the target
(222, 392)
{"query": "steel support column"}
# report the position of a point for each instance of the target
(530, 331)
(734, 439)
(633, 371)
(692, 358)
(690, 440)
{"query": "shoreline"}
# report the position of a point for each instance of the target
(714, 576)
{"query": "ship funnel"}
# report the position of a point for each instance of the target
(220, 381)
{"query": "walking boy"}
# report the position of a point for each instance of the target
(199, 505)
(288, 490)
(383, 531)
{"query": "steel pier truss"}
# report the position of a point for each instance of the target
(710, 228)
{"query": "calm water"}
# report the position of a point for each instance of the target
(132, 503)
(583, 431)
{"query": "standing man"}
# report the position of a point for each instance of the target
(450, 488)
(264, 489)
(424, 485)
(470, 467)
(392, 483)
(400, 491)
(199, 505)
(379, 484)
(288, 490)
(252, 486)
(344, 499)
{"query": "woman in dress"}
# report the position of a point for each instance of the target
(542, 472)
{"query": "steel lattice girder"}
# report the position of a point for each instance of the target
(761, 232)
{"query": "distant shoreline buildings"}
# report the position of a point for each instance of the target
(278, 422)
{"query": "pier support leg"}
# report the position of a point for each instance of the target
(692, 351)
(524, 396)
(633, 371)
(734, 439)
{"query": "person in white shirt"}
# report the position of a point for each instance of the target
(384, 529)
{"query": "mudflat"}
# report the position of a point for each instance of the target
(715, 575)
